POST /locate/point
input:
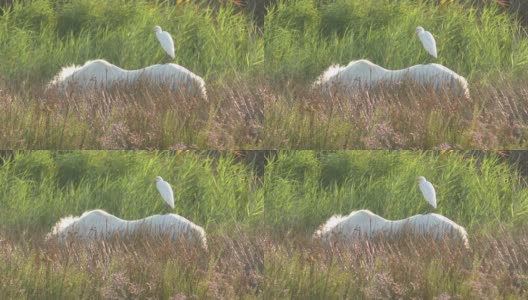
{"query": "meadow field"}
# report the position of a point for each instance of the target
(479, 40)
(478, 190)
(259, 75)
(222, 192)
(220, 43)
(284, 158)
(259, 211)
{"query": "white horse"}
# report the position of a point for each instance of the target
(364, 74)
(99, 73)
(365, 224)
(98, 224)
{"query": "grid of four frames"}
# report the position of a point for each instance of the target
(263, 149)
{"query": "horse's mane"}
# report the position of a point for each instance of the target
(329, 73)
(63, 223)
(331, 223)
(335, 69)
(64, 73)
(71, 69)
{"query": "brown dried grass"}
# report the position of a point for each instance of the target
(139, 267)
(495, 267)
(137, 118)
(397, 117)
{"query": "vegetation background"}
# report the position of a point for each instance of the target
(304, 37)
(484, 41)
(222, 192)
(481, 191)
(259, 59)
(221, 43)
(260, 209)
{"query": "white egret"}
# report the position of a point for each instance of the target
(165, 40)
(98, 224)
(98, 74)
(365, 224)
(427, 40)
(165, 190)
(362, 74)
(428, 191)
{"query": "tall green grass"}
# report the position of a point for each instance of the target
(40, 187)
(481, 42)
(304, 37)
(218, 191)
(38, 37)
(477, 190)
(259, 228)
(218, 42)
(305, 188)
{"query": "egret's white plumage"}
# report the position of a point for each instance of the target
(165, 190)
(98, 224)
(427, 40)
(362, 74)
(428, 191)
(98, 74)
(165, 40)
(365, 224)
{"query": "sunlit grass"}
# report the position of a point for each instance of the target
(141, 268)
(231, 118)
(304, 37)
(218, 191)
(483, 43)
(39, 37)
(478, 190)
(305, 188)
(219, 42)
(298, 117)
(495, 267)
(40, 187)
(259, 228)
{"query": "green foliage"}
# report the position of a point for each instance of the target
(338, 167)
(476, 44)
(298, 167)
(37, 37)
(33, 165)
(206, 190)
(90, 16)
(338, 17)
(32, 15)
(473, 192)
(72, 167)
(298, 16)
(335, 168)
